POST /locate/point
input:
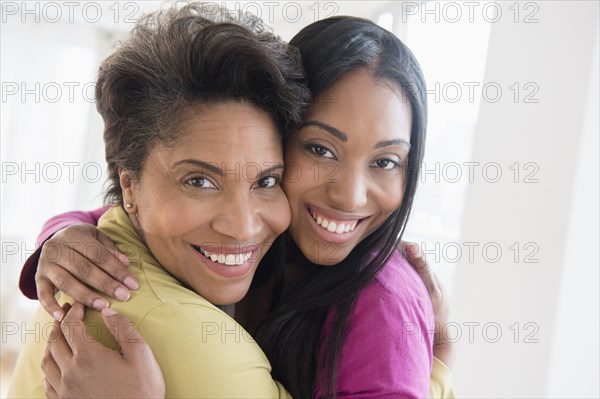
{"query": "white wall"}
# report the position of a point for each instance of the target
(574, 367)
(558, 215)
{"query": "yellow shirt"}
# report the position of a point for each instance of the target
(441, 381)
(202, 352)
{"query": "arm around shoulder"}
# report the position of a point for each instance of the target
(53, 225)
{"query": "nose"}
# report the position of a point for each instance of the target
(349, 191)
(239, 219)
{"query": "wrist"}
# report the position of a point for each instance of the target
(445, 351)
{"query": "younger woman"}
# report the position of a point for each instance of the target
(350, 317)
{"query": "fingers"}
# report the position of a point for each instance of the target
(64, 271)
(49, 390)
(91, 257)
(58, 348)
(418, 261)
(415, 256)
(125, 333)
(57, 352)
(52, 277)
(112, 248)
(46, 291)
(73, 328)
(50, 369)
(112, 261)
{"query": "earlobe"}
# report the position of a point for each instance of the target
(126, 181)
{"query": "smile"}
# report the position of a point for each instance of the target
(333, 225)
(229, 259)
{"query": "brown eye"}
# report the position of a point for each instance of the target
(268, 182)
(200, 182)
(320, 151)
(386, 164)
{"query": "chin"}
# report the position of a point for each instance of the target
(327, 256)
(231, 296)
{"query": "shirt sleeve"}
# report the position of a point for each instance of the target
(441, 381)
(388, 349)
(27, 279)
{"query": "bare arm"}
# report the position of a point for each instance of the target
(74, 257)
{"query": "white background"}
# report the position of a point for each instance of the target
(513, 89)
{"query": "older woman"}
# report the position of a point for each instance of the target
(354, 319)
(176, 98)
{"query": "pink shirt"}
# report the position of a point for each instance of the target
(388, 351)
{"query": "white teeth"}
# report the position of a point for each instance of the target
(333, 227)
(227, 259)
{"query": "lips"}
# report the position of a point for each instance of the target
(351, 224)
(228, 263)
(331, 224)
(224, 256)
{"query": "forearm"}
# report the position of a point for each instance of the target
(55, 224)
(445, 352)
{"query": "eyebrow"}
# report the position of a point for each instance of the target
(344, 137)
(386, 143)
(270, 170)
(329, 129)
(212, 167)
(208, 166)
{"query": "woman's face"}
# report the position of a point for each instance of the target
(210, 204)
(345, 166)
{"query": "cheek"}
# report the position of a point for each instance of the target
(392, 199)
(299, 179)
(388, 198)
(295, 171)
(277, 214)
(167, 214)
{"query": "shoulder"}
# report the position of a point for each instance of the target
(165, 310)
(394, 311)
(388, 347)
(203, 352)
(398, 289)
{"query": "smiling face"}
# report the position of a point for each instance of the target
(210, 204)
(345, 166)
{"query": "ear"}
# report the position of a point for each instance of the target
(127, 182)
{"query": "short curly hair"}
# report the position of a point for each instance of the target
(198, 53)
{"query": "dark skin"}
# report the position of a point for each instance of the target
(136, 355)
(369, 190)
(251, 311)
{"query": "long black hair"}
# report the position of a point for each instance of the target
(292, 337)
